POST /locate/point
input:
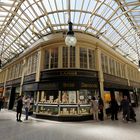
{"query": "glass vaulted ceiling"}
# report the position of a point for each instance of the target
(23, 22)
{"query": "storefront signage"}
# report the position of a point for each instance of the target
(88, 85)
(72, 85)
(30, 87)
(69, 72)
(29, 78)
(48, 86)
(115, 79)
(134, 84)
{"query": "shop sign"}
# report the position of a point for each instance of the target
(88, 85)
(30, 87)
(68, 85)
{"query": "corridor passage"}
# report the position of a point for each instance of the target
(38, 129)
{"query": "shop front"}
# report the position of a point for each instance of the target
(66, 95)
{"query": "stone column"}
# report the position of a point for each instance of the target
(5, 79)
(23, 73)
(40, 63)
(127, 75)
(100, 73)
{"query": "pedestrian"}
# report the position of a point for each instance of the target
(19, 108)
(95, 108)
(125, 108)
(114, 109)
(27, 106)
(100, 107)
(132, 113)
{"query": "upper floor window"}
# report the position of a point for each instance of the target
(83, 58)
(68, 57)
(72, 56)
(123, 70)
(31, 64)
(91, 55)
(51, 58)
(47, 59)
(111, 66)
(104, 61)
(65, 57)
(54, 58)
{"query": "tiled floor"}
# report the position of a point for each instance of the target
(37, 129)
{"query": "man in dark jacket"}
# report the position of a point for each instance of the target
(125, 108)
(19, 108)
(114, 109)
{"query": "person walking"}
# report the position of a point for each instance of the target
(27, 106)
(114, 109)
(19, 108)
(95, 108)
(125, 108)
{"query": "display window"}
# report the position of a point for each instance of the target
(49, 97)
(85, 110)
(68, 110)
(85, 96)
(65, 102)
(68, 97)
(107, 99)
(49, 110)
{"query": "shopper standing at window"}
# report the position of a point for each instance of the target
(95, 108)
(19, 108)
(27, 102)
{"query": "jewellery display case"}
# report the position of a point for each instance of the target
(48, 109)
(64, 103)
(85, 109)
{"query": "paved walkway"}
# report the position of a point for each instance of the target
(38, 129)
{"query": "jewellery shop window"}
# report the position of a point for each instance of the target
(48, 110)
(68, 97)
(68, 110)
(85, 96)
(85, 110)
(50, 97)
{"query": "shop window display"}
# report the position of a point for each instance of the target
(50, 97)
(65, 103)
(107, 99)
(49, 110)
(68, 97)
(48, 103)
(85, 96)
(68, 110)
(85, 109)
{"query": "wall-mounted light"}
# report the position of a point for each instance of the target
(70, 39)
